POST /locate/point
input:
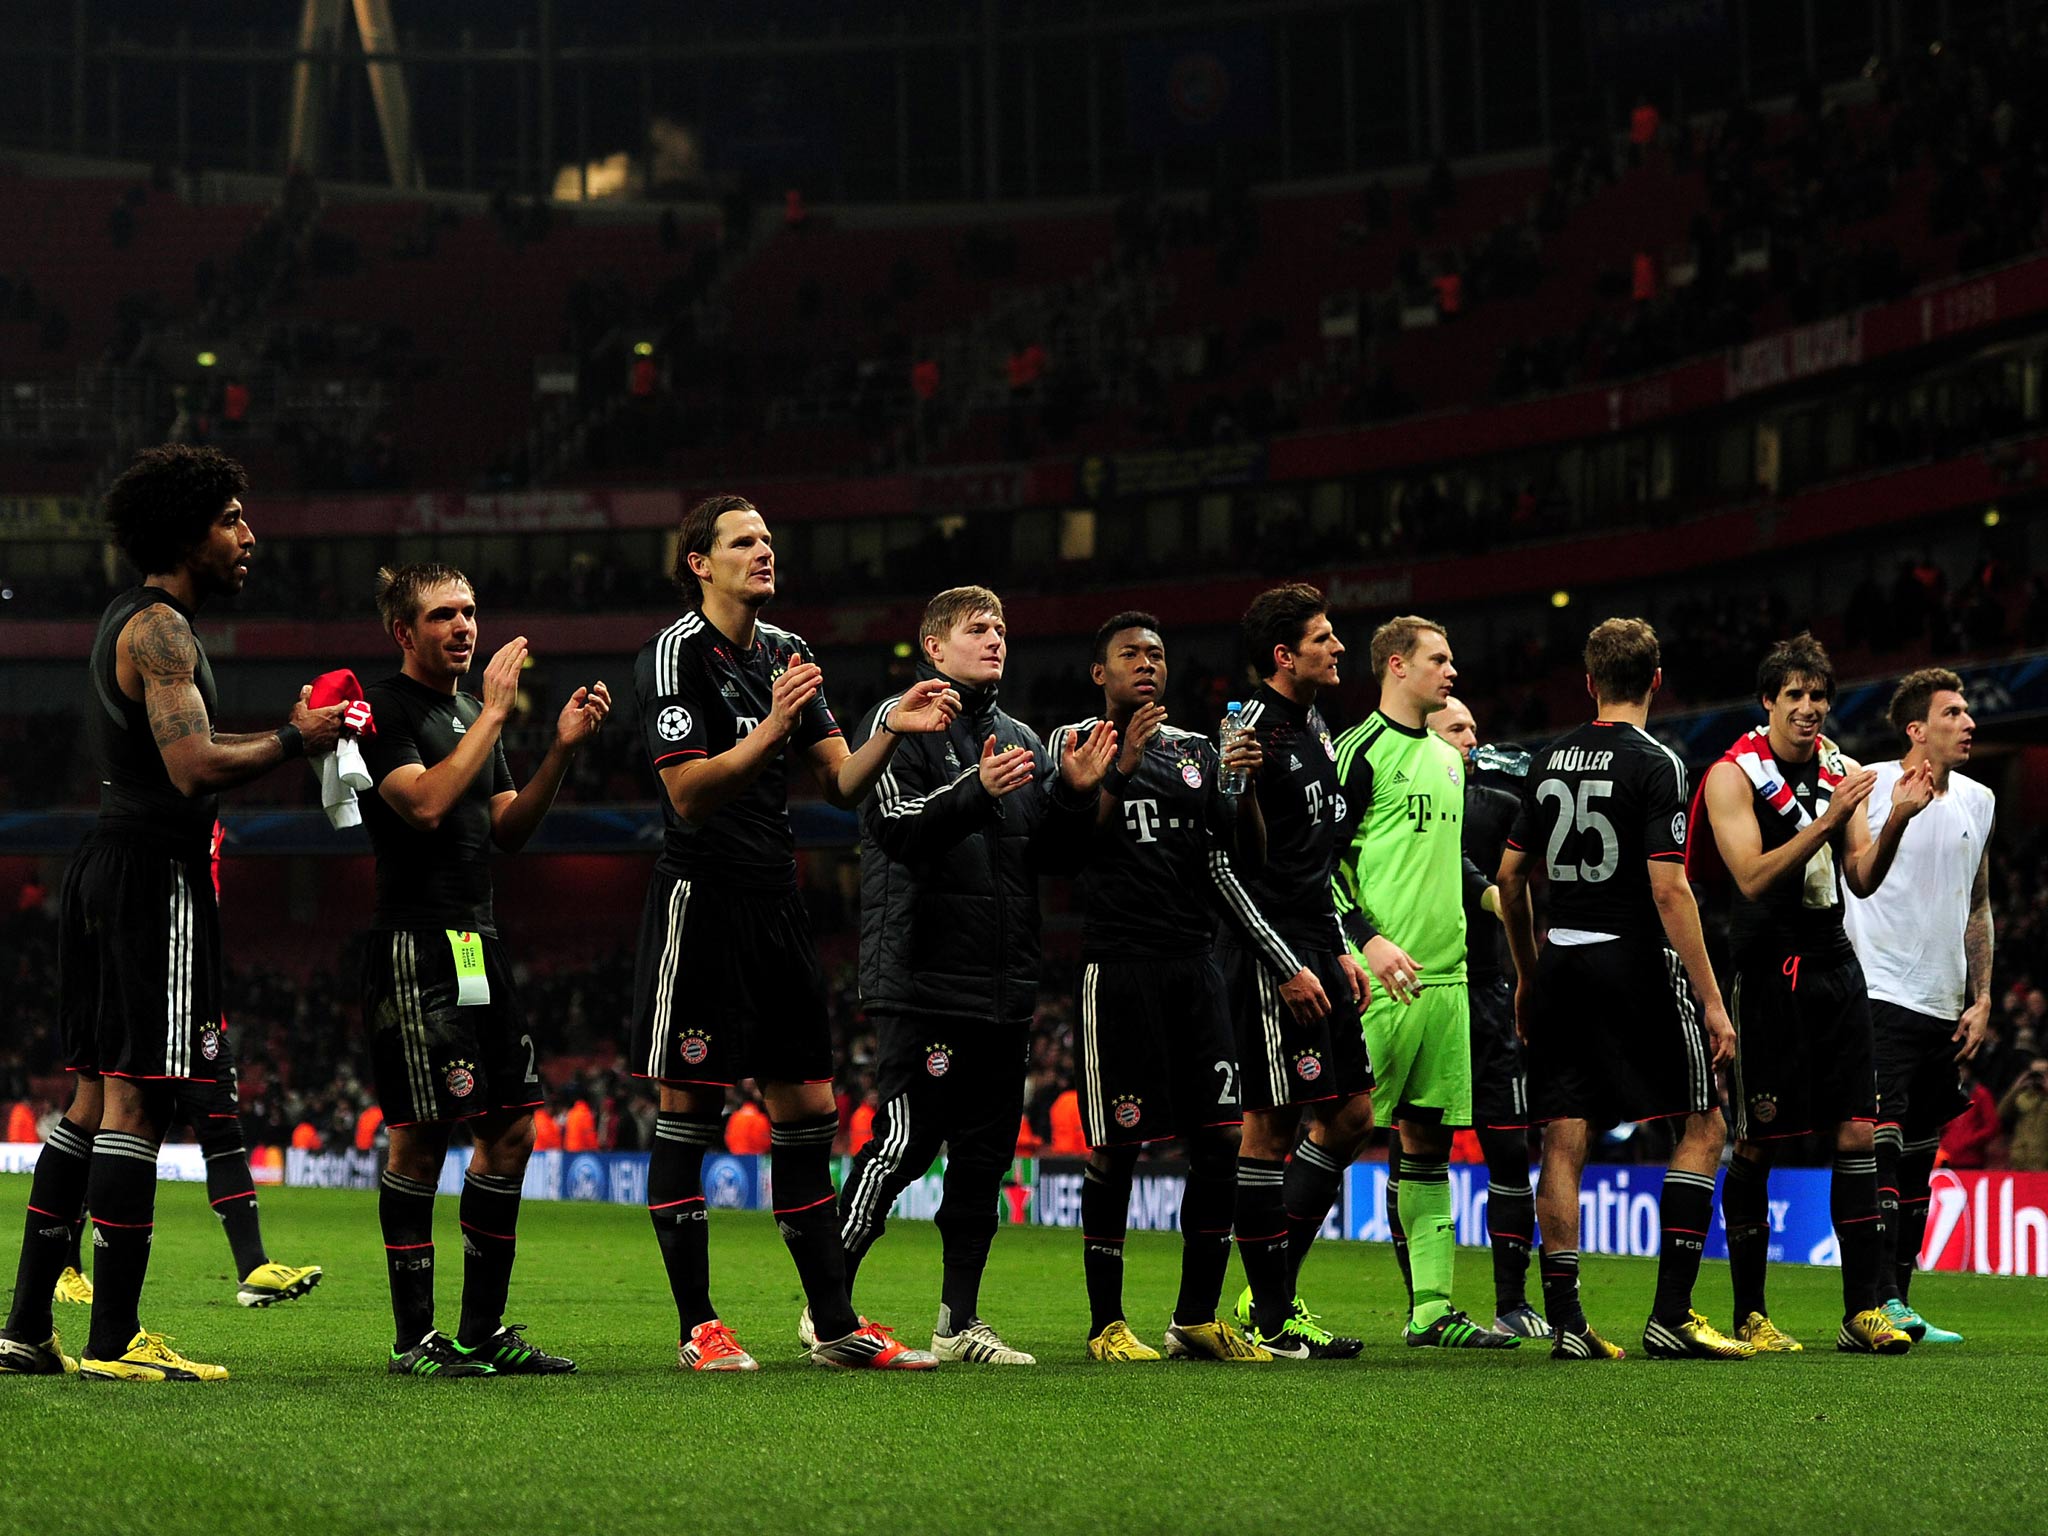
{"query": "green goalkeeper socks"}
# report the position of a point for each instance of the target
(1425, 1202)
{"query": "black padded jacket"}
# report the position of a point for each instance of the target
(949, 875)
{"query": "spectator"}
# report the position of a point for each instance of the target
(579, 1130)
(1968, 1141)
(1643, 277)
(860, 1129)
(2024, 1112)
(1068, 1139)
(747, 1129)
(547, 1131)
(1644, 124)
(368, 1124)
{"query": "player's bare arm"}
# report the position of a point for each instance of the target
(701, 785)
(1518, 915)
(845, 777)
(1679, 912)
(1870, 858)
(156, 662)
(1731, 812)
(515, 816)
(1975, 1023)
(422, 796)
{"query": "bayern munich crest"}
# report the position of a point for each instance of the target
(1128, 1112)
(209, 1043)
(938, 1061)
(696, 1045)
(1191, 773)
(1308, 1066)
(462, 1078)
(1329, 746)
(1763, 1108)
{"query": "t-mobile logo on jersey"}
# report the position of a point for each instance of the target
(1142, 817)
(1419, 811)
(743, 726)
(1313, 793)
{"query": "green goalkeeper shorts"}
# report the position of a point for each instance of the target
(1421, 1056)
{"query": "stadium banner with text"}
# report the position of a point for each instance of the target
(732, 1181)
(1156, 1191)
(1987, 1223)
(181, 1162)
(1619, 1210)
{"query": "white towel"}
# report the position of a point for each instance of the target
(342, 773)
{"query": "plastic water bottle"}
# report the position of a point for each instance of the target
(1506, 760)
(1231, 781)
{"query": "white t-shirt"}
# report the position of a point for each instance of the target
(1909, 936)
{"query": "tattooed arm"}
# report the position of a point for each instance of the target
(162, 655)
(1975, 1023)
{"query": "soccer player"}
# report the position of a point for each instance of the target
(214, 1112)
(1500, 1086)
(1157, 1058)
(727, 984)
(1292, 1054)
(1399, 888)
(1612, 1029)
(139, 931)
(1924, 941)
(448, 1040)
(1786, 809)
(952, 842)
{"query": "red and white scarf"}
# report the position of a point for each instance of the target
(1752, 754)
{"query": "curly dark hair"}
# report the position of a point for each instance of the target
(164, 502)
(1130, 618)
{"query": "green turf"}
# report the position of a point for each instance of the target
(311, 1437)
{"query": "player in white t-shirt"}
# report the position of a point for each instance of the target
(1924, 938)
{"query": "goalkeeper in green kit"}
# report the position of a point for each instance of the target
(1400, 883)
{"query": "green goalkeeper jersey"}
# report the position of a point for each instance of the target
(1400, 862)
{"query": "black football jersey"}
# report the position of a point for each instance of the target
(1155, 875)
(442, 878)
(1297, 789)
(137, 797)
(1489, 815)
(1797, 915)
(1601, 802)
(699, 695)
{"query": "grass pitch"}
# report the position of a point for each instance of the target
(311, 1437)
